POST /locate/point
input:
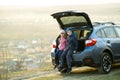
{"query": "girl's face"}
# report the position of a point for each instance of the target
(62, 34)
(69, 33)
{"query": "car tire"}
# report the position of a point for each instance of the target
(105, 63)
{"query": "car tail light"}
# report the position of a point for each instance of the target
(88, 60)
(54, 46)
(90, 42)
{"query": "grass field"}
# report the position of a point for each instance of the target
(83, 73)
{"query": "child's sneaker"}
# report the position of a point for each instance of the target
(55, 66)
(68, 71)
(60, 68)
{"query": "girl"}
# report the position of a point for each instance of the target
(61, 47)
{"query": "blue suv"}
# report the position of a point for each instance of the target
(98, 43)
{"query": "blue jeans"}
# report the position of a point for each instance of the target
(66, 56)
(57, 56)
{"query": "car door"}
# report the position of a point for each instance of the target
(73, 19)
(112, 41)
(117, 29)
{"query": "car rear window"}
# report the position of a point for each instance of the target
(73, 19)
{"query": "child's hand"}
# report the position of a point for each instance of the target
(74, 51)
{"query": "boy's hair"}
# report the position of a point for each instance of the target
(70, 29)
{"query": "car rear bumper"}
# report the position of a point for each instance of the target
(86, 58)
(83, 58)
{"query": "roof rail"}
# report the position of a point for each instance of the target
(108, 23)
(105, 23)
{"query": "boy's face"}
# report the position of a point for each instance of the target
(69, 33)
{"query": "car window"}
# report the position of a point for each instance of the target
(118, 30)
(100, 34)
(73, 19)
(81, 34)
(103, 33)
(77, 34)
(84, 34)
(110, 33)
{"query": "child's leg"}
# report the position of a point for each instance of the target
(56, 57)
(62, 59)
(69, 60)
(59, 56)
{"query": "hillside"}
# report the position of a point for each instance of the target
(20, 23)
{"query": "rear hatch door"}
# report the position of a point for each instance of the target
(73, 19)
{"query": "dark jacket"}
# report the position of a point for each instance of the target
(72, 43)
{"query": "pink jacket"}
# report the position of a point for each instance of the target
(62, 44)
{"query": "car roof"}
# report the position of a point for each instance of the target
(98, 24)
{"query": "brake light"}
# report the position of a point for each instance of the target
(90, 42)
(54, 46)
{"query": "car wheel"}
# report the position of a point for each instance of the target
(105, 63)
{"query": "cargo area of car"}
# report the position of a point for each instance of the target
(81, 35)
(81, 45)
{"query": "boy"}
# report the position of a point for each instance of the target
(71, 48)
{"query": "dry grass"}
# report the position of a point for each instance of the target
(84, 73)
(50, 78)
(29, 72)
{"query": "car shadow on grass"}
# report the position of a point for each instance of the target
(115, 67)
(82, 71)
(89, 71)
(92, 74)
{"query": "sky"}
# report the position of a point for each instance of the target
(52, 2)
